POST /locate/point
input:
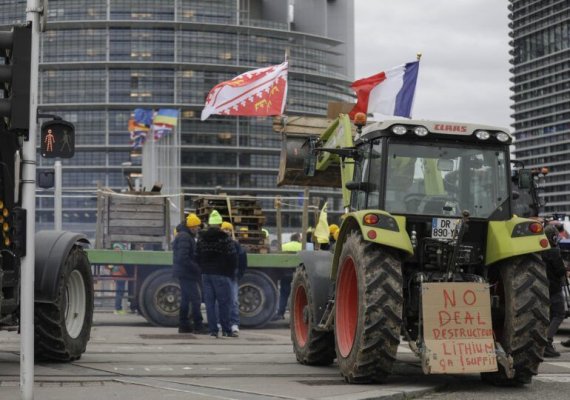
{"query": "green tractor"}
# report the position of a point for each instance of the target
(430, 251)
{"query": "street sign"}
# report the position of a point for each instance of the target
(57, 139)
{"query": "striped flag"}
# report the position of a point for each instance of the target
(138, 133)
(388, 93)
(164, 122)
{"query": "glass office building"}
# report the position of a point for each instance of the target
(100, 59)
(540, 32)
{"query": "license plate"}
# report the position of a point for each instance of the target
(444, 228)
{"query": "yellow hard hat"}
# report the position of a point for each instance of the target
(333, 228)
(335, 234)
(192, 220)
(227, 225)
(265, 232)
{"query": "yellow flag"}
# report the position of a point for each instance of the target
(321, 232)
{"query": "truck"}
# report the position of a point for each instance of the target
(141, 221)
(63, 283)
(429, 252)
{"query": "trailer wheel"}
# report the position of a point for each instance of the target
(159, 298)
(257, 299)
(521, 322)
(62, 328)
(311, 347)
(368, 310)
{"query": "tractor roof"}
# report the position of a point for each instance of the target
(465, 131)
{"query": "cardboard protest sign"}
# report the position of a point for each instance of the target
(457, 328)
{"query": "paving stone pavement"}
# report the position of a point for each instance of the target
(129, 359)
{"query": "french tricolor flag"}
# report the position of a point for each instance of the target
(388, 93)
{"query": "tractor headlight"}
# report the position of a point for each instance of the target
(482, 135)
(420, 131)
(381, 221)
(502, 137)
(527, 229)
(399, 129)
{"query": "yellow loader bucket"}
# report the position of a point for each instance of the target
(295, 153)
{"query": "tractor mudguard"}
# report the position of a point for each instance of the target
(389, 231)
(52, 247)
(506, 239)
(318, 265)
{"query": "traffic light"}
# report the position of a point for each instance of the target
(57, 139)
(16, 48)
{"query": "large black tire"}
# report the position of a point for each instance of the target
(159, 298)
(368, 310)
(521, 323)
(257, 299)
(63, 328)
(311, 347)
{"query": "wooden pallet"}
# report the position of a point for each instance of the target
(244, 212)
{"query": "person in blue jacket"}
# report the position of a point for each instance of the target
(189, 274)
(240, 271)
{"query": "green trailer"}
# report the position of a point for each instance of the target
(156, 294)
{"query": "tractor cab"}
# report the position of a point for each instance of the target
(412, 170)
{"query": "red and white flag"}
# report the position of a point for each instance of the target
(259, 93)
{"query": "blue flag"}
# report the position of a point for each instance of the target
(143, 116)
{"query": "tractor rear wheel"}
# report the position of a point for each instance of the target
(522, 320)
(368, 310)
(311, 347)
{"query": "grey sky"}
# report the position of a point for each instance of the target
(464, 71)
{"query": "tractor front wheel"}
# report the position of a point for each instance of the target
(521, 321)
(368, 310)
(63, 327)
(311, 347)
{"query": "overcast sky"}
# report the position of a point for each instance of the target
(464, 71)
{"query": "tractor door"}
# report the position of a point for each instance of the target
(368, 178)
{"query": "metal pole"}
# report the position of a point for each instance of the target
(57, 209)
(305, 218)
(278, 222)
(29, 204)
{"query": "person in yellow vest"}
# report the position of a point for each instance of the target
(294, 245)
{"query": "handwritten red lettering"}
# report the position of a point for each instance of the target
(472, 295)
(447, 297)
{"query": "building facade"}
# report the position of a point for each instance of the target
(100, 59)
(540, 32)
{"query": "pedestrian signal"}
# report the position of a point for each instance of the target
(57, 139)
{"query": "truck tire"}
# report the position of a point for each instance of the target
(63, 327)
(311, 347)
(368, 310)
(521, 323)
(159, 298)
(257, 299)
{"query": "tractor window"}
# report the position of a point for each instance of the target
(438, 180)
(374, 175)
(361, 171)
